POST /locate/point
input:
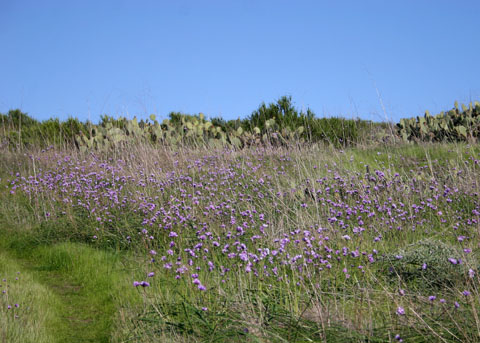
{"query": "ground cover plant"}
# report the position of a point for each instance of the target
(267, 244)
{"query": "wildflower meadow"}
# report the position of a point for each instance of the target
(265, 244)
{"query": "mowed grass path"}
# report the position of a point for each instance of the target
(81, 288)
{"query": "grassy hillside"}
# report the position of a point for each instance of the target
(265, 244)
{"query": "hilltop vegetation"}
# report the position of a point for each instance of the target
(278, 123)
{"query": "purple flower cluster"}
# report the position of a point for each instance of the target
(218, 217)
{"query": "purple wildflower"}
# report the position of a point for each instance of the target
(453, 260)
(471, 273)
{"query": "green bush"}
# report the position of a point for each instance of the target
(19, 129)
(335, 131)
(427, 264)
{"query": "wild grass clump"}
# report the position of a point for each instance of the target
(430, 264)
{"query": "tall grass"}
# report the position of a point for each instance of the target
(367, 241)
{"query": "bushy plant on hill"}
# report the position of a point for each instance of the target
(278, 123)
(453, 125)
(21, 130)
(292, 122)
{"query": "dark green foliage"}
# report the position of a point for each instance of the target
(338, 131)
(292, 123)
(16, 119)
(283, 112)
(278, 123)
(106, 121)
(20, 130)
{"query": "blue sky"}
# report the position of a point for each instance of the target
(223, 58)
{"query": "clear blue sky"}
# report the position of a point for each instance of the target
(223, 58)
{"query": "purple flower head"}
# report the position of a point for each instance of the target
(471, 273)
(456, 304)
(151, 274)
(432, 297)
(136, 283)
(466, 293)
(145, 284)
(400, 311)
(453, 260)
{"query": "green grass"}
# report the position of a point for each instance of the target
(37, 305)
(88, 283)
(79, 290)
